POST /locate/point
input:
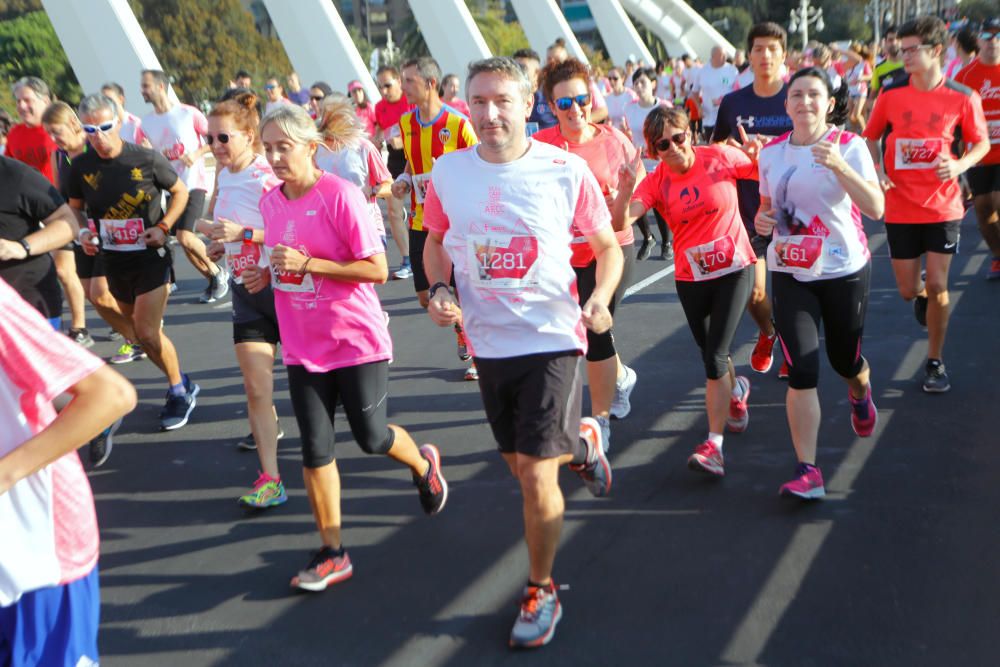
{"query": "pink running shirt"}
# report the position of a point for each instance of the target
(326, 323)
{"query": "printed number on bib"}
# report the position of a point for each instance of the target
(498, 261)
(798, 255)
(287, 281)
(239, 256)
(123, 235)
(918, 153)
(714, 259)
(420, 183)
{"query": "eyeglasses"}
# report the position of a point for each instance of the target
(102, 128)
(316, 98)
(678, 140)
(566, 103)
(613, 78)
(221, 136)
(910, 50)
(987, 36)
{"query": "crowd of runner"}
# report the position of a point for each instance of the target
(513, 213)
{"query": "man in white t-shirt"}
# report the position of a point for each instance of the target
(177, 131)
(714, 81)
(503, 214)
(49, 593)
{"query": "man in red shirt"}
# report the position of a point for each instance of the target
(983, 76)
(28, 141)
(920, 115)
(388, 111)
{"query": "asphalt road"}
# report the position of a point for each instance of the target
(897, 566)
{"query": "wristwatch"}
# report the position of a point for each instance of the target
(435, 287)
(248, 234)
(27, 247)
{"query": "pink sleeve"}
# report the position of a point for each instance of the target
(648, 192)
(200, 122)
(877, 121)
(140, 136)
(742, 166)
(592, 214)
(974, 120)
(35, 357)
(377, 171)
(435, 219)
(354, 223)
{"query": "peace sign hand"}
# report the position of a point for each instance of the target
(751, 147)
(629, 171)
(826, 153)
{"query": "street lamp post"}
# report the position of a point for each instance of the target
(799, 20)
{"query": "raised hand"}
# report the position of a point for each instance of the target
(827, 154)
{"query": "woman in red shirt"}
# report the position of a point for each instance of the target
(694, 189)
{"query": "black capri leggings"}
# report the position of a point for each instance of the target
(362, 390)
(602, 346)
(798, 308)
(713, 309)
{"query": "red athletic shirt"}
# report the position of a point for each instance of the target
(387, 114)
(34, 147)
(920, 125)
(605, 153)
(985, 80)
(703, 212)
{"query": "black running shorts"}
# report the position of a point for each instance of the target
(910, 241)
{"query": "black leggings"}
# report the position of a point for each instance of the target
(362, 390)
(602, 346)
(713, 309)
(798, 308)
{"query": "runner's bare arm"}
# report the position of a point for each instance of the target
(765, 221)
(443, 308)
(610, 262)
(371, 269)
(876, 152)
(98, 400)
(867, 195)
(57, 230)
(949, 168)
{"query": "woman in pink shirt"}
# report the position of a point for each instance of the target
(449, 94)
(364, 109)
(325, 256)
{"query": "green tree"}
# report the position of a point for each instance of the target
(12, 9)
(501, 37)
(29, 46)
(978, 10)
(733, 22)
(202, 43)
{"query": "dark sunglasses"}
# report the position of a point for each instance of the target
(613, 78)
(678, 140)
(270, 86)
(384, 86)
(566, 103)
(316, 98)
(221, 136)
(102, 128)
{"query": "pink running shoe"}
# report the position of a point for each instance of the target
(808, 483)
(707, 458)
(739, 413)
(864, 414)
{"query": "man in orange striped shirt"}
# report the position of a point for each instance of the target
(429, 131)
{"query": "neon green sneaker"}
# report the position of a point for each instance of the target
(266, 492)
(127, 353)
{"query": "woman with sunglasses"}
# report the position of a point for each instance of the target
(644, 84)
(694, 188)
(346, 152)
(618, 98)
(606, 150)
(814, 185)
(242, 177)
(325, 257)
(317, 92)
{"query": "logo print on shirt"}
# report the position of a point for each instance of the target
(137, 174)
(988, 91)
(494, 206)
(690, 196)
(93, 180)
(444, 135)
(747, 121)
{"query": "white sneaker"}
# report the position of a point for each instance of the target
(620, 405)
(605, 424)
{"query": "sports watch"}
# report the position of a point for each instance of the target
(248, 234)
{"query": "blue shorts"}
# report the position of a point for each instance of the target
(56, 627)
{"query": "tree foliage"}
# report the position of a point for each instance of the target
(29, 47)
(734, 23)
(203, 43)
(501, 37)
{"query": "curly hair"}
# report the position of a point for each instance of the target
(556, 73)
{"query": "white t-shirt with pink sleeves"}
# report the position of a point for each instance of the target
(361, 165)
(131, 130)
(507, 229)
(47, 520)
(326, 323)
(237, 199)
(176, 133)
(819, 234)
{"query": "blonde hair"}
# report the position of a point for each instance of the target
(60, 113)
(338, 122)
(294, 122)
